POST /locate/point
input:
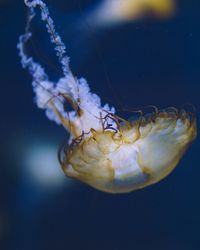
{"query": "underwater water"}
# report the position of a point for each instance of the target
(143, 62)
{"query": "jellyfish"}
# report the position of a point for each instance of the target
(113, 12)
(104, 150)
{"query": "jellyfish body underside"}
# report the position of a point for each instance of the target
(134, 157)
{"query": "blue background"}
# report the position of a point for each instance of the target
(145, 62)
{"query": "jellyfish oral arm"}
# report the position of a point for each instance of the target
(51, 96)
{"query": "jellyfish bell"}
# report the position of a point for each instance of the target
(105, 151)
(132, 157)
(112, 12)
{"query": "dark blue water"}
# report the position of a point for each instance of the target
(146, 62)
